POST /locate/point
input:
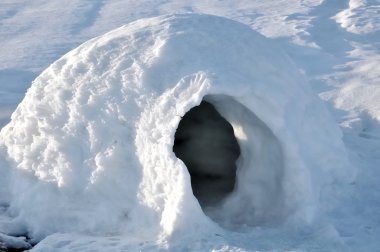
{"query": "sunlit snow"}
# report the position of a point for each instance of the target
(96, 157)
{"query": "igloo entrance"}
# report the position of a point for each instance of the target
(236, 166)
(205, 142)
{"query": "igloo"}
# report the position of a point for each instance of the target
(174, 124)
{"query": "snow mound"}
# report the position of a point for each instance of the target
(90, 148)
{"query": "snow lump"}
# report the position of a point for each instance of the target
(96, 146)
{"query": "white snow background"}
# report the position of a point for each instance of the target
(335, 44)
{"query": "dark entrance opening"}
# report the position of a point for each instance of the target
(205, 142)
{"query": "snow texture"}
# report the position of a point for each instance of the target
(13, 242)
(361, 17)
(90, 148)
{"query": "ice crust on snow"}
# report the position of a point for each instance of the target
(89, 149)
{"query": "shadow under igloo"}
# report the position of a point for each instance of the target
(234, 160)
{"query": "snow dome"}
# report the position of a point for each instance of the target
(172, 124)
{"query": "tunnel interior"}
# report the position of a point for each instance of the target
(205, 142)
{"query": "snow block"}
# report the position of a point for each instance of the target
(90, 148)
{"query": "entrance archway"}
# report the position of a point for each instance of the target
(205, 142)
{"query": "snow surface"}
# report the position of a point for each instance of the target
(335, 44)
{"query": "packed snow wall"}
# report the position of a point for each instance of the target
(90, 148)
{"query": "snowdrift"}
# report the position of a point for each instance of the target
(97, 144)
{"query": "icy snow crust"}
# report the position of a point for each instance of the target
(89, 149)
